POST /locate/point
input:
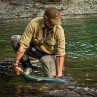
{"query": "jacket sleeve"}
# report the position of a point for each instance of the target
(60, 43)
(27, 36)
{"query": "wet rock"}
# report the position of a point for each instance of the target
(72, 93)
(6, 68)
(86, 92)
(66, 93)
(6, 61)
(62, 93)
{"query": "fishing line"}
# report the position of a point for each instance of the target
(72, 51)
(63, 48)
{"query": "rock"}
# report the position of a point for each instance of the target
(71, 93)
(6, 67)
(6, 61)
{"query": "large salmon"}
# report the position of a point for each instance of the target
(42, 79)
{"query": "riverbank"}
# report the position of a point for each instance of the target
(29, 10)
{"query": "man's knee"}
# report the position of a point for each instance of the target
(15, 41)
(15, 38)
(49, 65)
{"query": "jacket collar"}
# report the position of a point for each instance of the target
(42, 24)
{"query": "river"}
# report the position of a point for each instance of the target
(80, 60)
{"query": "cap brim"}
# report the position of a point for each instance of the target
(56, 21)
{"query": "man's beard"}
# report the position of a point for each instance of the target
(48, 27)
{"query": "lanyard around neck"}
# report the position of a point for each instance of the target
(44, 35)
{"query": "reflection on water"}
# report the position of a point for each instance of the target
(80, 70)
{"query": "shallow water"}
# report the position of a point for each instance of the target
(80, 61)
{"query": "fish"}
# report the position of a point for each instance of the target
(42, 79)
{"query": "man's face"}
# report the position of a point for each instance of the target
(48, 23)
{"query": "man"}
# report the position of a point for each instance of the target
(43, 39)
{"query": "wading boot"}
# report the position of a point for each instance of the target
(27, 66)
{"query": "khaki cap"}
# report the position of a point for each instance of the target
(54, 15)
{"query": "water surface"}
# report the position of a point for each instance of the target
(80, 61)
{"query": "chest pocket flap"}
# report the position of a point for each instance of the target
(52, 41)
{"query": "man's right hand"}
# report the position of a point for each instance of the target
(17, 70)
(18, 56)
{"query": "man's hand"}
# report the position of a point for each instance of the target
(18, 56)
(17, 70)
(58, 75)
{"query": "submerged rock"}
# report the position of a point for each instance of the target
(72, 93)
(6, 61)
(6, 69)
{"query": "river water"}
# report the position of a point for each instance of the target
(80, 61)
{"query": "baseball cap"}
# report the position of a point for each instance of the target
(54, 15)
